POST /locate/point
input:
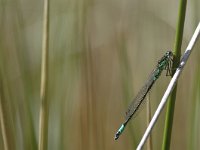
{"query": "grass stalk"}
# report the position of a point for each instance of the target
(176, 61)
(6, 118)
(4, 130)
(44, 110)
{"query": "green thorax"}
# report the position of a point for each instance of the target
(162, 64)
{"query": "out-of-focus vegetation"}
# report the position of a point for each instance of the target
(100, 54)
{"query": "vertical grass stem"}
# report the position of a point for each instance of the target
(44, 108)
(176, 61)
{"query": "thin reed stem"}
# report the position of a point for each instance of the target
(4, 130)
(176, 61)
(6, 118)
(44, 110)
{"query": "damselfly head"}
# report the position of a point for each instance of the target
(169, 53)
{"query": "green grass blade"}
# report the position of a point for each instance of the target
(177, 53)
(44, 110)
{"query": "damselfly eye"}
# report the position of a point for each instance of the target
(169, 53)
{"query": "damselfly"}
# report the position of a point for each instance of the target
(165, 63)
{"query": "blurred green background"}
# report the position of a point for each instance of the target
(100, 54)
